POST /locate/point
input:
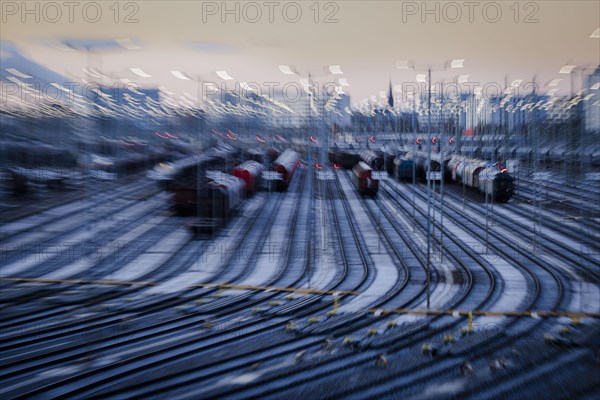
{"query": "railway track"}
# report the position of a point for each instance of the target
(230, 342)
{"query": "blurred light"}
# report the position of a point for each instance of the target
(343, 82)
(312, 139)
(595, 34)
(286, 69)
(335, 69)
(457, 63)
(18, 73)
(259, 139)
(463, 78)
(127, 44)
(165, 91)
(567, 69)
(180, 75)
(139, 72)
(516, 82)
(91, 73)
(372, 139)
(245, 86)
(60, 46)
(589, 96)
(421, 78)
(212, 86)
(404, 64)
(224, 75)
(595, 86)
(336, 166)
(554, 82)
(318, 166)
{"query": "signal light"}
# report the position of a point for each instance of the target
(372, 139)
(418, 141)
(451, 140)
(433, 140)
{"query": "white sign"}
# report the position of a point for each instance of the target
(271, 176)
(512, 165)
(434, 176)
(325, 175)
(381, 175)
(592, 176)
(542, 176)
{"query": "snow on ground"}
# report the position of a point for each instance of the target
(325, 264)
(153, 257)
(386, 273)
(84, 263)
(212, 257)
(271, 257)
(72, 245)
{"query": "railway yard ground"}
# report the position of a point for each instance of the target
(313, 292)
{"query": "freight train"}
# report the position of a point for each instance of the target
(373, 159)
(198, 187)
(250, 172)
(487, 177)
(403, 167)
(344, 158)
(437, 162)
(491, 179)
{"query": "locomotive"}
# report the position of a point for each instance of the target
(363, 179)
(285, 165)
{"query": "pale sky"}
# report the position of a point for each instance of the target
(365, 38)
